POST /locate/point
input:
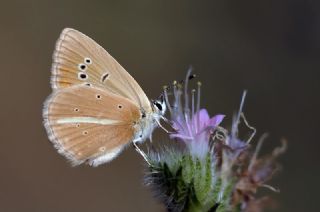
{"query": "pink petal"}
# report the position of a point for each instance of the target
(200, 119)
(216, 120)
(181, 136)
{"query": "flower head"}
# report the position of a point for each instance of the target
(192, 125)
(189, 128)
(205, 167)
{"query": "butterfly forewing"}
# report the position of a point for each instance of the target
(89, 124)
(80, 60)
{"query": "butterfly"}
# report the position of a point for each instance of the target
(96, 107)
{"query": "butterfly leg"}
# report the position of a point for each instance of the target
(165, 119)
(145, 157)
(162, 127)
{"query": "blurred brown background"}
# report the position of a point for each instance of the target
(270, 47)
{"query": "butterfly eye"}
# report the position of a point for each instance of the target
(76, 109)
(82, 67)
(98, 96)
(158, 105)
(82, 76)
(87, 60)
(120, 106)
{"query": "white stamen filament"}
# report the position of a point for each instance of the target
(192, 108)
(186, 103)
(186, 96)
(166, 98)
(198, 106)
(237, 120)
(179, 105)
(175, 94)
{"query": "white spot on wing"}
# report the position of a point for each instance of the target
(88, 120)
(108, 156)
(88, 60)
(82, 67)
(82, 76)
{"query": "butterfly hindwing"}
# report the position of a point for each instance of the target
(89, 124)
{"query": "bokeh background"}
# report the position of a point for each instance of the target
(270, 47)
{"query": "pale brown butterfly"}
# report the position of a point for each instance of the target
(96, 107)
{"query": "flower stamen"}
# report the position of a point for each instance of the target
(198, 106)
(166, 98)
(193, 91)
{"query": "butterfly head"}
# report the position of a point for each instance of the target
(159, 106)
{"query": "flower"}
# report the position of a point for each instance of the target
(189, 128)
(204, 167)
(192, 127)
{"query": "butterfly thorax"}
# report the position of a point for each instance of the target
(149, 121)
(144, 128)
